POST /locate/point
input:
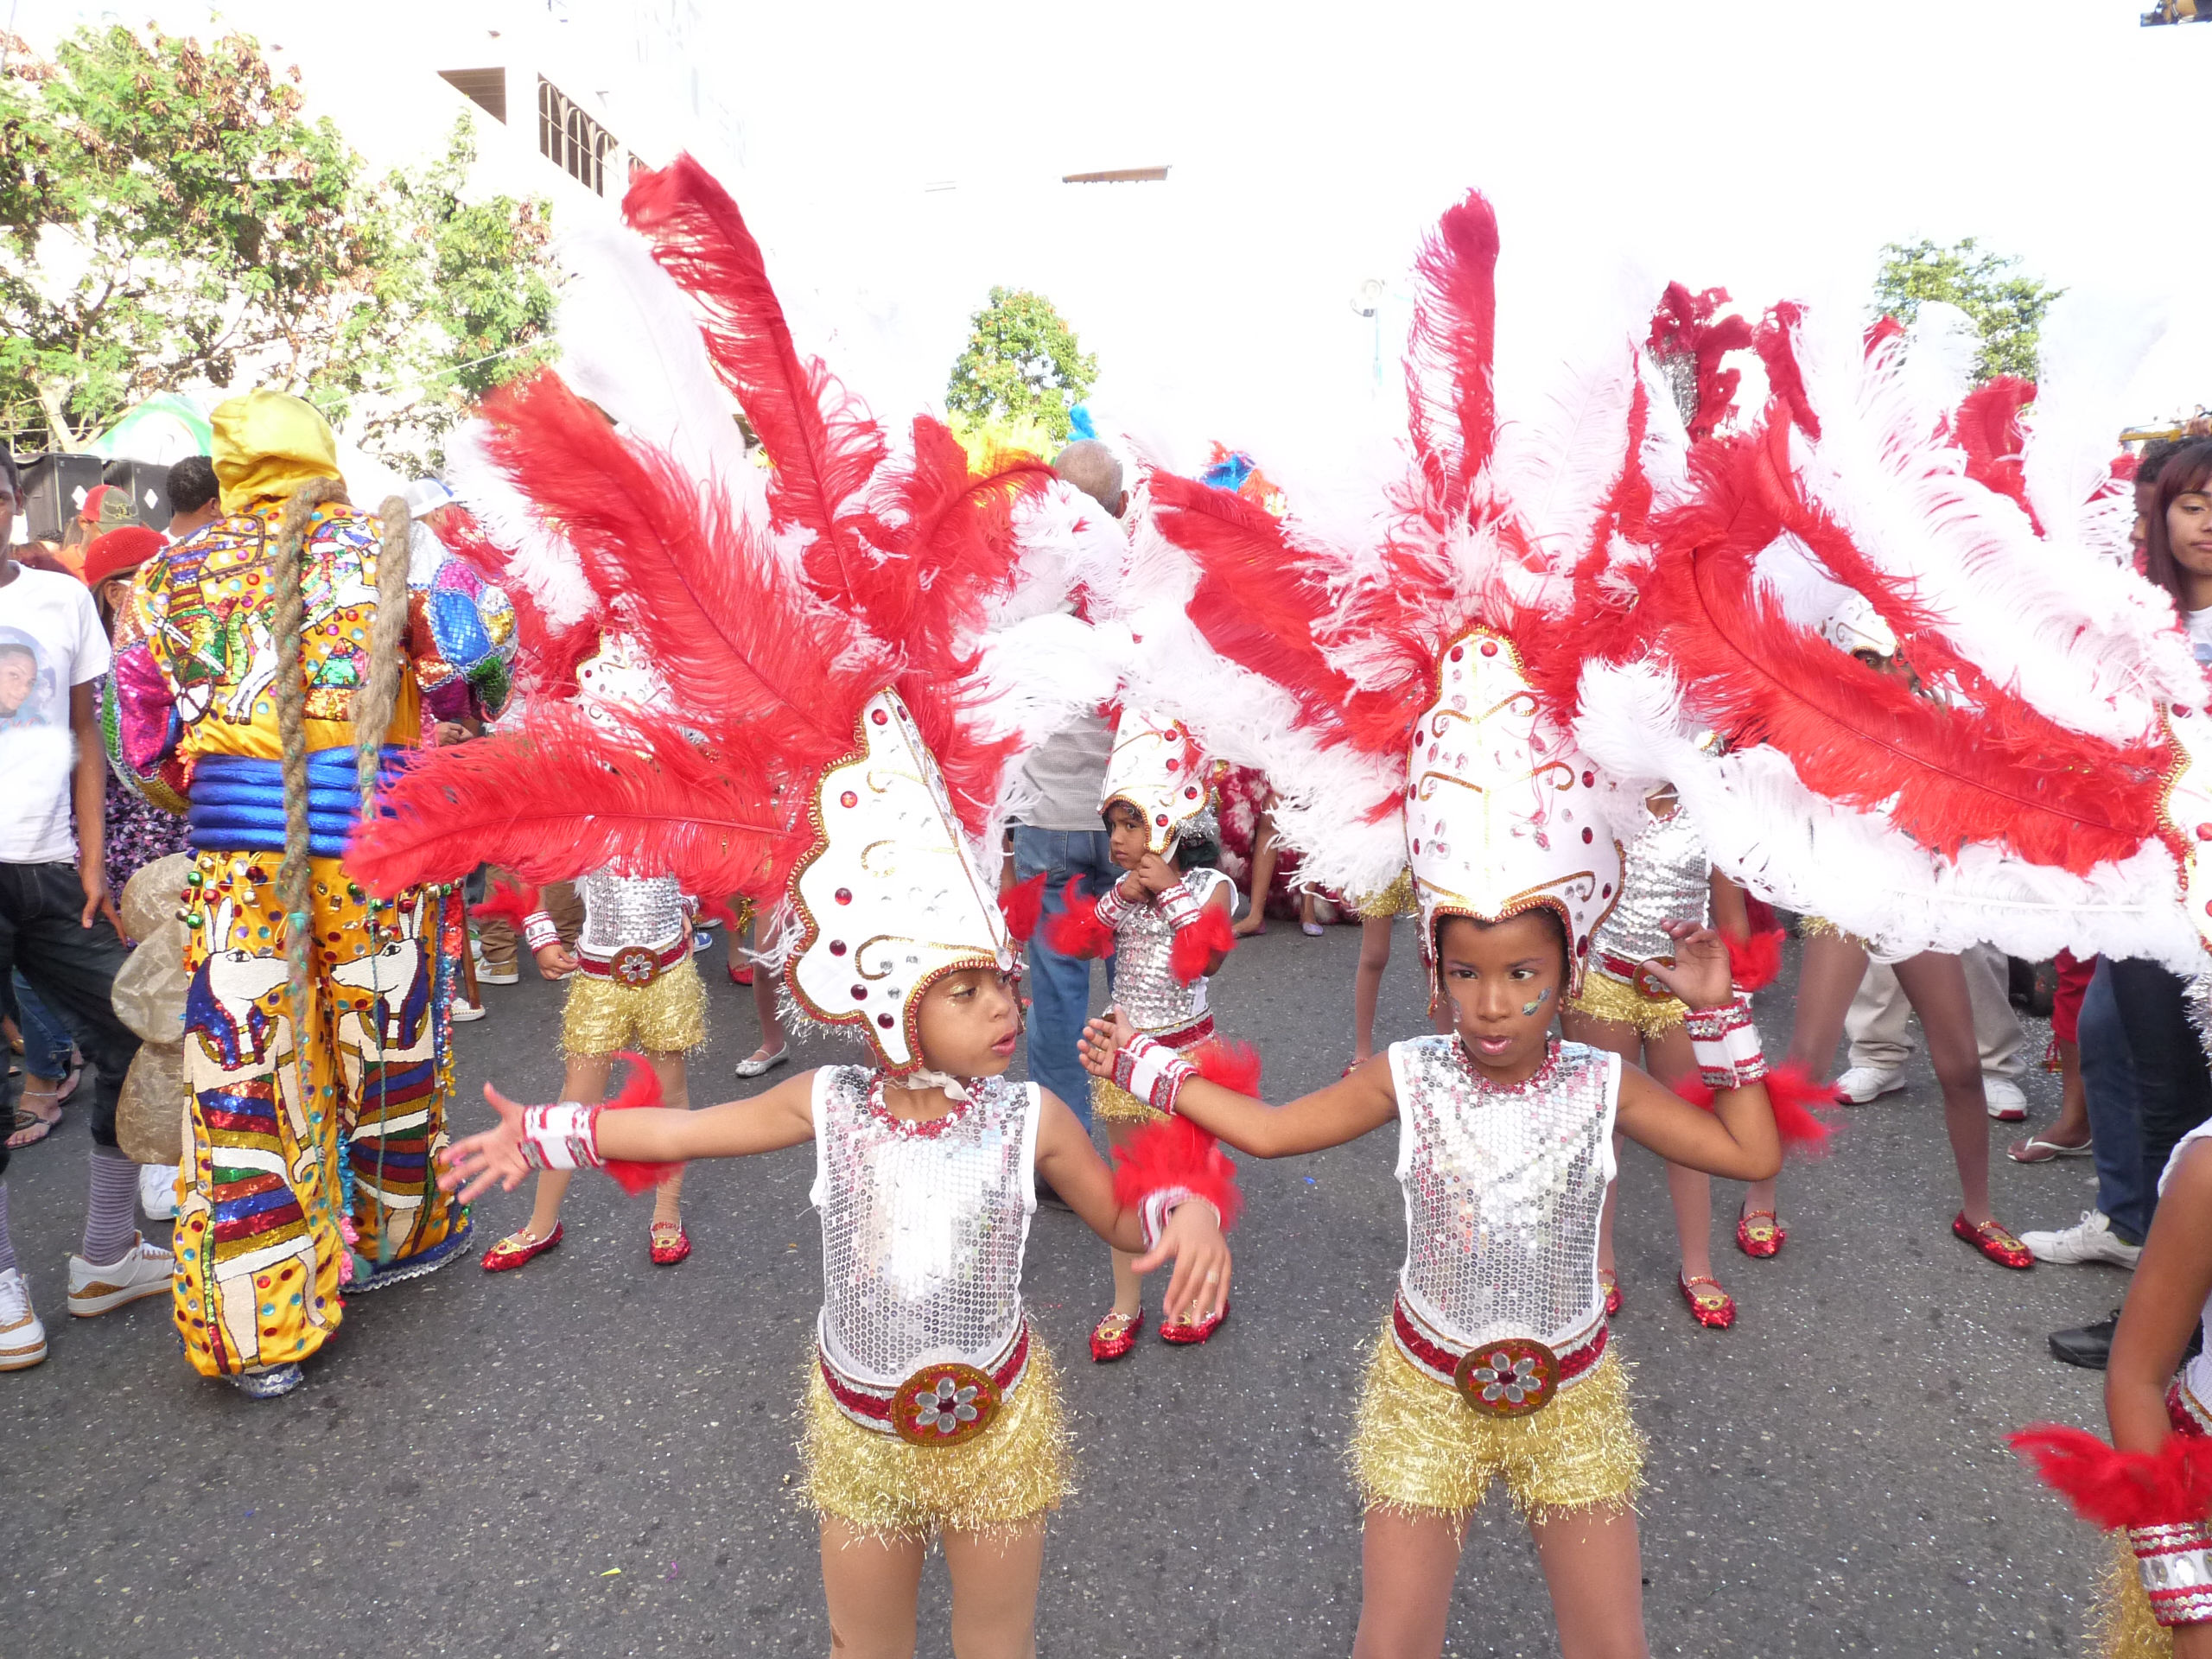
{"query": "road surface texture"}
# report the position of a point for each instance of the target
(596, 1457)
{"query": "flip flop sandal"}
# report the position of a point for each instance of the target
(2037, 1150)
(26, 1120)
(68, 1084)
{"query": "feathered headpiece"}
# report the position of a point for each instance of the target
(1159, 771)
(854, 644)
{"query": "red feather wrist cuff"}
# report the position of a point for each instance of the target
(2162, 1498)
(1198, 941)
(1171, 1162)
(640, 1088)
(1078, 931)
(1755, 959)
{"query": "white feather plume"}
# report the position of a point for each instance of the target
(539, 559)
(2087, 353)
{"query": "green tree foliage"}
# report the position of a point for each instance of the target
(169, 215)
(1023, 364)
(2007, 306)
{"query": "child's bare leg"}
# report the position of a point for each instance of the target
(1255, 920)
(1593, 1567)
(871, 1584)
(676, 1096)
(1937, 986)
(1668, 1057)
(995, 1578)
(1827, 978)
(1128, 1287)
(764, 995)
(1367, 982)
(1407, 1565)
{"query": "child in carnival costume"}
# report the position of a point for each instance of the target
(631, 982)
(932, 1409)
(1166, 924)
(262, 667)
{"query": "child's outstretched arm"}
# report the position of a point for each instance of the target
(1344, 1111)
(564, 1136)
(2165, 1300)
(1737, 1139)
(1191, 1237)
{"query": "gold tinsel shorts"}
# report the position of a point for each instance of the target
(878, 1485)
(1604, 997)
(2123, 1626)
(1394, 901)
(1819, 927)
(1419, 1448)
(1111, 1104)
(666, 1017)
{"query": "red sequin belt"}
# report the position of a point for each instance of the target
(940, 1404)
(1179, 1038)
(1505, 1376)
(635, 964)
(1634, 975)
(2188, 1414)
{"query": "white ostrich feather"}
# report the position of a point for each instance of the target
(539, 559)
(1033, 676)
(2087, 353)
(1762, 827)
(1556, 466)
(1068, 544)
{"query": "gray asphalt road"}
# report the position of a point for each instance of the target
(594, 1457)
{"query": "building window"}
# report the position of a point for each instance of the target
(571, 140)
(486, 88)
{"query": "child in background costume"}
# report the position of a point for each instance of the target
(2155, 1489)
(1167, 924)
(632, 983)
(1494, 1363)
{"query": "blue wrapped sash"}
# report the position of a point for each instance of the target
(237, 802)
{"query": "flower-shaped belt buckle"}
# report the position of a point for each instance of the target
(1510, 1377)
(1648, 988)
(634, 965)
(945, 1405)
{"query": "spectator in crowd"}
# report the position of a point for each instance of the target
(194, 499)
(57, 919)
(1879, 1026)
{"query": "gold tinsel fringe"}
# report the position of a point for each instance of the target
(1819, 927)
(1604, 997)
(1419, 1448)
(1016, 1471)
(2123, 1626)
(1394, 901)
(1111, 1104)
(666, 1017)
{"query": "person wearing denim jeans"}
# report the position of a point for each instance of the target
(1059, 987)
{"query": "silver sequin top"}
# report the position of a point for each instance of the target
(622, 910)
(1145, 987)
(923, 1225)
(1666, 875)
(1503, 1189)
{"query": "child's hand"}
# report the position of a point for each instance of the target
(554, 960)
(1102, 1040)
(1700, 975)
(494, 1155)
(1155, 874)
(1192, 1239)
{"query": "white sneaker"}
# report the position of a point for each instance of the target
(2006, 1103)
(487, 974)
(2090, 1239)
(157, 1191)
(143, 1271)
(465, 1012)
(1864, 1082)
(22, 1339)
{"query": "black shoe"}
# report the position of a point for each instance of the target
(1046, 1198)
(2089, 1346)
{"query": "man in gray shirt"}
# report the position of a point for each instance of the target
(1062, 835)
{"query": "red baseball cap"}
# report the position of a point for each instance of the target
(119, 552)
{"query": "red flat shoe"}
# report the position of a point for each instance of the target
(1710, 1306)
(741, 975)
(1610, 1282)
(1189, 1335)
(1760, 1233)
(1113, 1337)
(517, 1247)
(671, 1243)
(1993, 1239)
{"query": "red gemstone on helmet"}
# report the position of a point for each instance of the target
(1589, 780)
(1173, 764)
(1160, 818)
(880, 717)
(837, 947)
(1458, 652)
(843, 895)
(1489, 647)
(884, 1020)
(1585, 837)
(859, 992)
(1582, 947)
(1191, 792)
(849, 799)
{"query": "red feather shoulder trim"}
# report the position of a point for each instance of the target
(1076, 931)
(2122, 1488)
(1176, 1152)
(1755, 959)
(640, 1088)
(1195, 946)
(1023, 906)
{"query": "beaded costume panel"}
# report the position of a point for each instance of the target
(1666, 877)
(923, 1224)
(1145, 986)
(1503, 1189)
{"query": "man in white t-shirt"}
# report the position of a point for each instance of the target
(58, 925)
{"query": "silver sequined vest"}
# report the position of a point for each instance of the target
(623, 910)
(923, 1224)
(1503, 1189)
(1145, 987)
(1666, 875)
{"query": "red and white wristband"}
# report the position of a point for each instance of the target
(1179, 906)
(565, 1136)
(538, 931)
(1153, 1213)
(1113, 909)
(1151, 1071)
(1725, 1044)
(2175, 1562)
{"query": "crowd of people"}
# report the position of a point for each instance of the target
(370, 759)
